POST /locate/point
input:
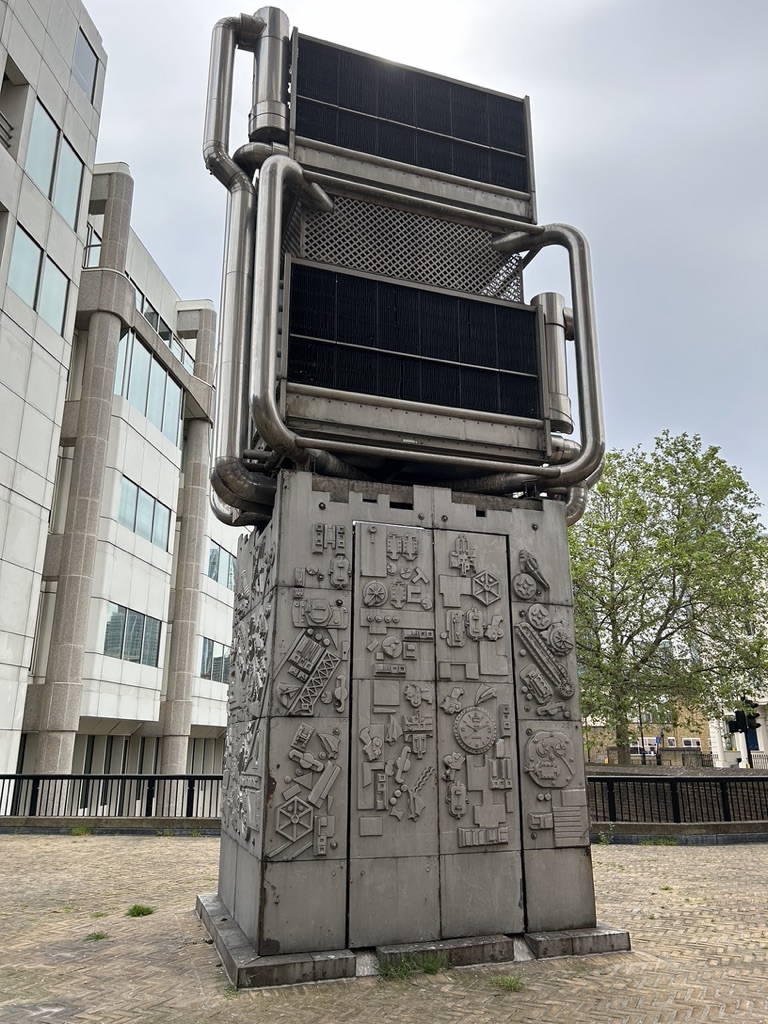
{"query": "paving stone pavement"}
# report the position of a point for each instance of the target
(698, 917)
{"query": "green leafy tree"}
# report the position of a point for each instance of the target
(670, 573)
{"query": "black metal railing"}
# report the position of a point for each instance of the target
(110, 796)
(678, 799)
(640, 799)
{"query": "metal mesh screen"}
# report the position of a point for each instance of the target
(407, 246)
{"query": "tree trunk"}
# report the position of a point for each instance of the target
(622, 743)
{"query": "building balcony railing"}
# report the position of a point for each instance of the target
(6, 131)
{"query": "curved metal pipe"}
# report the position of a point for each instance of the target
(580, 462)
(277, 172)
(235, 486)
(590, 458)
(576, 504)
(231, 481)
(234, 516)
(578, 496)
(239, 32)
(563, 450)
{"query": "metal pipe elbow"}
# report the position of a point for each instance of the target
(223, 167)
(578, 495)
(246, 28)
(239, 487)
(234, 516)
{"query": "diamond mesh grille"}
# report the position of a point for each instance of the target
(407, 246)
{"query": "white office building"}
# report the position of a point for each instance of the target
(115, 580)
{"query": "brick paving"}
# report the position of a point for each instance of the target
(698, 917)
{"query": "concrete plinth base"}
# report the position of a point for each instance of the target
(578, 942)
(246, 969)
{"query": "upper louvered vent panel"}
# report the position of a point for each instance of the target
(367, 105)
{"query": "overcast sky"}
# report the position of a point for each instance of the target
(649, 127)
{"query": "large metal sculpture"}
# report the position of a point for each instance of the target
(404, 759)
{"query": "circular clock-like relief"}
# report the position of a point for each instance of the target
(475, 730)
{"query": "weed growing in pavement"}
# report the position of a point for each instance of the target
(509, 982)
(659, 841)
(67, 908)
(433, 963)
(96, 936)
(139, 910)
(400, 970)
(665, 888)
(100, 913)
(82, 830)
(166, 832)
(231, 992)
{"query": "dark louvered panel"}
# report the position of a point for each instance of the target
(380, 338)
(369, 106)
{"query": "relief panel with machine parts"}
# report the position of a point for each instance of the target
(394, 604)
(310, 674)
(242, 800)
(553, 787)
(404, 720)
(477, 733)
(307, 813)
(393, 739)
(544, 643)
(553, 791)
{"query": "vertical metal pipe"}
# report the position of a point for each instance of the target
(552, 307)
(229, 477)
(268, 121)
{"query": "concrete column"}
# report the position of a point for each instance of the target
(60, 700)
(176, 708)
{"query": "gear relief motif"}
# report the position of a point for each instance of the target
(554, 793)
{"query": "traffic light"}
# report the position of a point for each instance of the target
(739, 723)
(745, 720)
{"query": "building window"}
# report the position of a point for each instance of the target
(214, 663)
(92, 251)
(143, 514)
(221, 566)
(132, 636)
(164, 332)
(54, 166)
(148, 386)
(691, 741)
(84, 65)
(37, 280)
(13, 97)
